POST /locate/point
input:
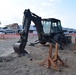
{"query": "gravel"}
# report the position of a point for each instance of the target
(11, 64)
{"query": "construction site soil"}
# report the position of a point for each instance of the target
(12, 64)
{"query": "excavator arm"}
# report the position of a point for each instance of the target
(27, 18)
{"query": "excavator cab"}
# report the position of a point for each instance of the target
(51, 25)
(52, 31)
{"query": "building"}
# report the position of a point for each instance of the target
(14, 27)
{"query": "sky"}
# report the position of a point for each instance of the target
(11, 11)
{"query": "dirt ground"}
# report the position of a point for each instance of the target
(11, 64)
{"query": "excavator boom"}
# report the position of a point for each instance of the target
(27, 18)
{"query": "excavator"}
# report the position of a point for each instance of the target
(49, 30)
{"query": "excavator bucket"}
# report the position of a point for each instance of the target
(16, 47)
(19, 49)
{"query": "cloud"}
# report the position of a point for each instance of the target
(50, 4)
(44, 4)
(12, 10)
(54, 0)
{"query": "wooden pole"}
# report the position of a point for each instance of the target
(53, 60)
(50, 55)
